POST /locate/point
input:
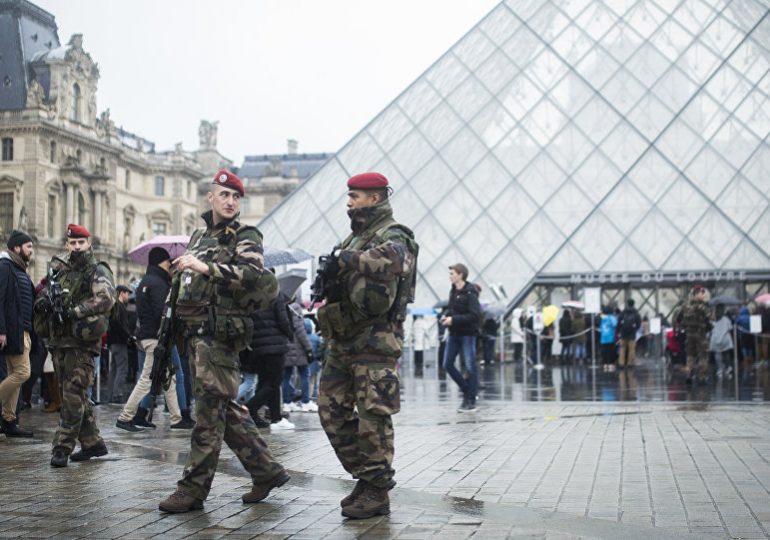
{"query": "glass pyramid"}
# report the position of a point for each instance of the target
(571, 136)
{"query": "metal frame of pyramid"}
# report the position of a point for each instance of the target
(571, 136)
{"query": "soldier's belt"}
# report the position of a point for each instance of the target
(196, 328)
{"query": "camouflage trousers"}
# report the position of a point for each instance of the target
(356, 397)
(696, 348)
(215, 371)
(75, 370)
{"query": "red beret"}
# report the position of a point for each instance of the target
(368, 180)
(227, 179)
(77, 231)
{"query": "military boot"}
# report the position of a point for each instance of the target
(12, 429)
(178, 503)
(260, 491)
(100, 449)
(59, 457)
(140, 419)
(359, 489)
(374, 501)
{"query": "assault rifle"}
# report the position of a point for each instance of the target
(326, 286)
(55, 296)
(162, 361)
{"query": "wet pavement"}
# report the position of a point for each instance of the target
(562, 452)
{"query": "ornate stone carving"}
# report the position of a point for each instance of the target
(35, 95)
(207, 134)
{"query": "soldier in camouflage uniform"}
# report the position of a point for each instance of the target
(88, 294)
(220, 281)
(359, 388)
(696, 322)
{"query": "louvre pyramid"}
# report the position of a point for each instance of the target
(571, 136)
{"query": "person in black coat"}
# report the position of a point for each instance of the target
(17, 295)
(117, 340)
(462, 319)
(269, 344)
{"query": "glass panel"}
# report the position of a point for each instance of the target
(679, 143)
(742, 203)
(687, 257)
(624, 145)
(440, 125)
(585, 239)
(271, 233)
(715, 236)
(516, 150)
(571, 93)
(570, 147)
(721, 36)
(645, 17)
(653, 174)
(474, 48)
(482, 241)
(418, 100)
(683, 205)
(620, 6)
(597, 67)
(704, 115)
(755, 113)
(623, 91)
(744, 13)
(648, 64)
(520, 96)
(447, 74)
(621, 42)
(390, 127)
(327, 185)
(496, 72)
(538, 240)
(492, 123)
(546, 70)
(762, 33)
(626, 258)
(760, 233)
(751, 60)
(735, 142)
(524, 8)
(568, 260)
(758, 168)
(499, 24)
(698, 62)
(393, 174)
(318, 238)
(625, 206)
(655, 237)
(411, 153)
(487, 180)
(432, 238)
(337, 218)
(541, 178)
(545, 121)
(523, 47)
(573, 8)
(510, 269)
(597, 119)
(671, 39)
(596, 176)
(469, 98)
(407, 206)
(572, 44)
(728, 87)
(457, 211)
(710, 172)
(650, 116)
(596, 20)
(512, 209)
(359, 154)
(568, 207)
(433, 181)
(674, 88)
(694, 15)
(303, 211)
(548, 22)
(747, 255)
(463, 152)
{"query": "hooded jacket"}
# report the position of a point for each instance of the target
(15, 306)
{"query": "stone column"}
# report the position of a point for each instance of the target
(98, 214)
(69, 193)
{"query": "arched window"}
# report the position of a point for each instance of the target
(76, 102)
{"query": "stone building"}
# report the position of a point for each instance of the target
(62, 162)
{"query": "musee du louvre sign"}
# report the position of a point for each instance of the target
(653, 278)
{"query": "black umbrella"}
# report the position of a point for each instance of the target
(725, 300)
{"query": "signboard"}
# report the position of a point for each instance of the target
(655, 325)
(755, 324)
(537, 322)
(592, 298)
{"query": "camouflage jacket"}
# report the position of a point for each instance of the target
(372, 261)
(237, 283)
(88, 294)
(696, 318)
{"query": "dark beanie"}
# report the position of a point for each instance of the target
(18, 238)
(158, 255)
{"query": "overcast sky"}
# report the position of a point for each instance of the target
(267, 70)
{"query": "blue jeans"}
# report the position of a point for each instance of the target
(579, 350)
(314, 368)
(247, 387)
(304, 381)
(468, 345)
(181, 397)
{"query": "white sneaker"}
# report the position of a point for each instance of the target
(290, 407)
(282, 425)
(309, 407)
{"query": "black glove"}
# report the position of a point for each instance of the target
(332, 267)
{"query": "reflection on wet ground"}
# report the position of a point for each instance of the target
(651, 380)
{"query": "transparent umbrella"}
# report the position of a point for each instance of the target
(278, 256)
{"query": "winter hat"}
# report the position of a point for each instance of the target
(158, 255)
(18, 238)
